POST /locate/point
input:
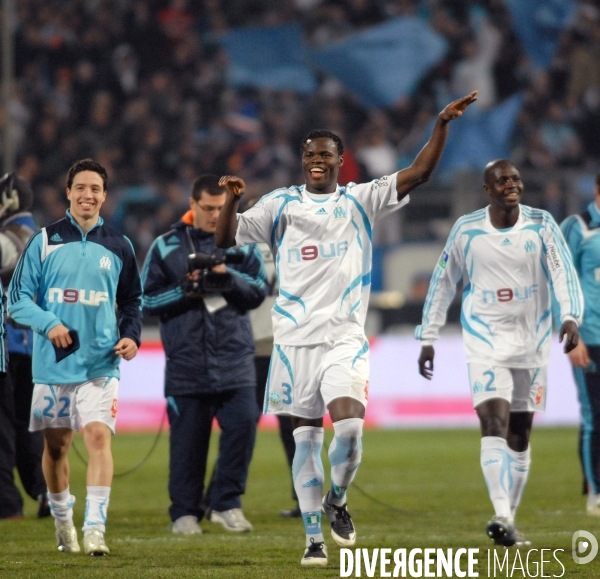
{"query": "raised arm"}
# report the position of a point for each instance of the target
(429, 156)
(227, 221)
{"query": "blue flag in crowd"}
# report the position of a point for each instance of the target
(479, 137)
(385, 62)
(539, 23)
(269, 57)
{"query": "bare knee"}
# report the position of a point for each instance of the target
(519, 430)
(57, 442)
(494, 426)
(493, 417)
(96, 437)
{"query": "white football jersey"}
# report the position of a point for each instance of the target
(322, 250)
(508, 276)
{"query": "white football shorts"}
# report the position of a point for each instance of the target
(75, 405)
(525, 389)
(303, 380)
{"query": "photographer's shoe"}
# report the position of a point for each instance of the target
(233, 520)
(186, 525)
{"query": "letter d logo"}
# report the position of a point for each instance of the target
(580, 547)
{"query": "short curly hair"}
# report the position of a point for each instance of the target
(324, 134)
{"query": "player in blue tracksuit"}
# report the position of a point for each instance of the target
(582, 233)
(78, 275)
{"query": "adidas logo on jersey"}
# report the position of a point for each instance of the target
(506, 242)
(321, 211)
(56, 237)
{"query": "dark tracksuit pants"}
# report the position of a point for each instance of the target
(286, 430)
(18, 447)
(191, 418)
(588, 390)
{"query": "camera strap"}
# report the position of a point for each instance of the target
(190, 240)
(193, 248)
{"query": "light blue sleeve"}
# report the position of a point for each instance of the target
(23, 288)
(565, 282)
(442, 287)
(571, 230)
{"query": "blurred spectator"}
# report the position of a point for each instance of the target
(559, 137)
(475, 69)
(553, 200)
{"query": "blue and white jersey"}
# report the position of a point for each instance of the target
(87, 282)
(322, 248)
(582, 234)
(508, 276)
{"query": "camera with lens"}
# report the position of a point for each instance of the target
(210, 281)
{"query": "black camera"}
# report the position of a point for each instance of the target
(210, 281)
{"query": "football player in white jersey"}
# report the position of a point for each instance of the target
(320, 235)
(509, 257)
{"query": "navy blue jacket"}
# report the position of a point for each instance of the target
(206, 352)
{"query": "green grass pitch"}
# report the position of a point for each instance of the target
(431, 478)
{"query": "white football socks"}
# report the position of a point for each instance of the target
(61, 506)
(96, 507)
(307, 472)
(518, 465)
(345, 454)
(494, 465)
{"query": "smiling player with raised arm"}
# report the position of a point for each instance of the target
(509, 257)
(321, 237)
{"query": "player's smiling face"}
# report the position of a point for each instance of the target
(321, 164)
(87, 194)
(504, 187)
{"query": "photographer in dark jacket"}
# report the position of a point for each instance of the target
(207, 337)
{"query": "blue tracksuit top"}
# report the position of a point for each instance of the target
(67, 277)
(583, 240)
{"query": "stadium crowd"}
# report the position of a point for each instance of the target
(141, 86)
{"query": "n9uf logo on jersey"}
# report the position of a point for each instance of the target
(310, 252)
(73, 296)
(507, 294)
